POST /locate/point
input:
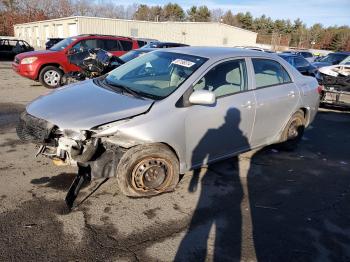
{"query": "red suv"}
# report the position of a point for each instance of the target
(48, 66)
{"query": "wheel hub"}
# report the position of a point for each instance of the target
(51, 77)
(150, 173)
(293, 131)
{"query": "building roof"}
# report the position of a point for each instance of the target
(138, 21)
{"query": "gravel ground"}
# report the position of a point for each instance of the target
(264, 205)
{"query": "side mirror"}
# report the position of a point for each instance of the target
(202, 97)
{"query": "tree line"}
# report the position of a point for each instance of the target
(280, 31)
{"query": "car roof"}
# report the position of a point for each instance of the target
(289, 55)
(341, 53)
(217, 52)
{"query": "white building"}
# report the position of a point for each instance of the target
(192, 33)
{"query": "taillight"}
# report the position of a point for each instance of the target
(320, 89)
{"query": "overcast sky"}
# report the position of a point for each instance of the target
(326, 12)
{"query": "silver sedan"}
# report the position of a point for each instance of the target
(170, 111)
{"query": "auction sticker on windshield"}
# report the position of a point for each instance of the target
(182, 62)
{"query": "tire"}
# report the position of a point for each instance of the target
(50, 77)
(147, 170)
(293, 132)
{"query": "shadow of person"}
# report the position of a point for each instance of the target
(217, 216)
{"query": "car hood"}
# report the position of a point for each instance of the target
(320, 64)
(85, 105)
(35, 53)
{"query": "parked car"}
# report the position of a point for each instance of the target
(304, 53)
(163, 45)
(331, 59)
(169, 111)
(48, 66)
(300, 63)
(11, 47)
(52, 41)
(136, 53)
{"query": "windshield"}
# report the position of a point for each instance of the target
(346, 61)
(62, 44)
(132, 54)
(151, 45)
(333, 58)
(156, 74)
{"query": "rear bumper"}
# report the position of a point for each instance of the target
(336, 98)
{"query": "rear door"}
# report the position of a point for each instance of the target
(276, 97)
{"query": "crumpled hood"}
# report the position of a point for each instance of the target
(85, 105)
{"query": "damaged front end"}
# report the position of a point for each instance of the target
(94, 157)
(335, 81)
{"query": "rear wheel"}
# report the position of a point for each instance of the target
(293, 131)
(50, 76)
(148, 170)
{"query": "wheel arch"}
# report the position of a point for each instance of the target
(48, 64)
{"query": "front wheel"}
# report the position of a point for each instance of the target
(148, 170)
(50, 76)
(293, 131)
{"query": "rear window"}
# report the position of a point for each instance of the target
(269, 73)
(301, 62)
(127, 45)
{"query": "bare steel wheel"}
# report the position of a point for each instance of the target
(151, 174)
(50, 76)
(293, 131)
(148, 170)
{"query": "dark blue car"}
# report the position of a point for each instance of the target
(300, 63)
(331, 59)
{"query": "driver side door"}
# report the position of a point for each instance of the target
(216, 131)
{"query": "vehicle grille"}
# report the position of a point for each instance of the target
(16, 60)
(34, 130)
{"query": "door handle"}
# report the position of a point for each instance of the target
(248, 104)
(291, 94)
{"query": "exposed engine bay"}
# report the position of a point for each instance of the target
(336, 84)
(94, 156)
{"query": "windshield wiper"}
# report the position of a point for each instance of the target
(125, 88)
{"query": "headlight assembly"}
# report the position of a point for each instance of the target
(29, 60)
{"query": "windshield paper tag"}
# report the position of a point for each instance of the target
(182, 62)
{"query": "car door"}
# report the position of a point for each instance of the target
(213, 132)
(276, 97)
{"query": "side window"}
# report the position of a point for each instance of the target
(269, 73)
(86, 44)
(301, 62)
(141, 43)
(225, 79)
(111, 45)
(127, 45)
